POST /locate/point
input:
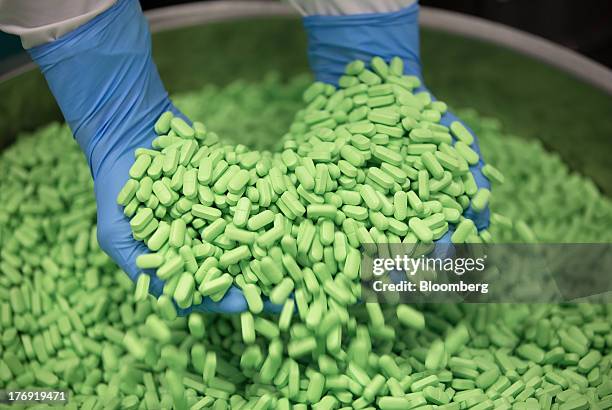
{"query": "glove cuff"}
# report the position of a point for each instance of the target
(105, 82)
(334, 41)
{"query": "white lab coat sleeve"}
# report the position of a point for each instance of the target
(41, 21)
(345, 7)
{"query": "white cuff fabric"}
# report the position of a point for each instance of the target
(346, 7)
(41, 21)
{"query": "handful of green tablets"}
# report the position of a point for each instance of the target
(365, 163)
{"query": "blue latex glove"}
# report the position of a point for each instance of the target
(108, 88)
(334, 41)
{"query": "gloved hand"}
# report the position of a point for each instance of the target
(336, 40)
(108, 88)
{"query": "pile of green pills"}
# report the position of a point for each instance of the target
(69, 319)
(365, 163)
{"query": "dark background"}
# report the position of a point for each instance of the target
(583, 26)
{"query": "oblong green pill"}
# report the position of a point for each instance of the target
(301, 347)
(281, 291)
(183, 293)
(171, 161)
(216, 285)
(127, 192)
(487, 378)
(145, 188)
(177, 233)
(358, 213)
(368, 77)
(190, 183)
(140, 166)
(162, 192)
(213, 230)
(451, 215)
(493, 174)
(260, 220)
(270, 237)
(352, 155)
(158, 329)
(196, 325)
(166, 308)
(315, 211)
(171, 267)
(465, 228)
(142, 287)
(238, 181)
(253, 298)
(160, 237)
(481, 199)
(384, 116)
(531, 352)
(181, 128)
(141, 219)
(205, 212)
(242, 212)
(352, 263)
(271, 270)
(436, 356)
(420, 229)
(326, 232)
(316, 386)
(221, 184)
(234, 256)
(393, 403)
(149, 260)
(292, 268)
(340, 246)
(380, 177)
(423, 185)
(284, 319)
(385, 154)
(467, 153)
(162, 125)
(240, 235)
(432, 165)
(461, 133)
(292, 202)
(449, 162)
(588, 362)
(410, 317)
(247, 325)
(210, 366)
(400, 205)
(415, 202)
(205, 170)
(305, 178)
